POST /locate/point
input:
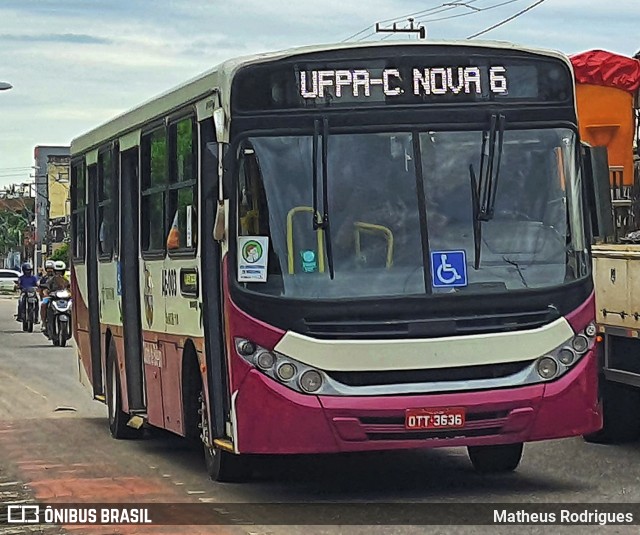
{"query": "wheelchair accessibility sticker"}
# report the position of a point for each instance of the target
(448, 269)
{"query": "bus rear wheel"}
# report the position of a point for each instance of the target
(117, 417)
(222, 466)
(495, 459)
(621, 414)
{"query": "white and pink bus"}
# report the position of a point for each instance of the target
(343, 248)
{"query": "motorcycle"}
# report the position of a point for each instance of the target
(29, 309)
(59, 318)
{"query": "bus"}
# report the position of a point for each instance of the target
(343, 248)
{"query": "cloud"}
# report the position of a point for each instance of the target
(73, 38)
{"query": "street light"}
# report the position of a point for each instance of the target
(4, 86)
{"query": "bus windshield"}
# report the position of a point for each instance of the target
(393, 213)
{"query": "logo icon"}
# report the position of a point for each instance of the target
(148, 296)
(23, 514)
(448, 269)
(309, 264)
(252, 252)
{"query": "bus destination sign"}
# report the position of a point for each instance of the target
(425, 81)
(409, 78)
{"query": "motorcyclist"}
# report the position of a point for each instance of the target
(58, 281)
(43, 287)
(55, 283)
(25, 281)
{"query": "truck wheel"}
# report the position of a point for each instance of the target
(117, 418)
(621, 414)
(495, 459)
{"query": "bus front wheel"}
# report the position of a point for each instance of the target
(222, 466)
(495, 459)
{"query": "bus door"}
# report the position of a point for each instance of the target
(128, 278)
(92, 280)
(219, 400)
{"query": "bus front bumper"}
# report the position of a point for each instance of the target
(272, 419)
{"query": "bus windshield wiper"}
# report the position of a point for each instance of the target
(321, 221)
(477, 223)
(488, 178)
(483, 191)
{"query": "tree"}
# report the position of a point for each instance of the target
(62, 253)
(12, 225)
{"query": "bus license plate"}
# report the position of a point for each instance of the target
(452, 418)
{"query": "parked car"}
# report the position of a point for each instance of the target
(8, 279)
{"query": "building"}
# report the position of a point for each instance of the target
(51, 194)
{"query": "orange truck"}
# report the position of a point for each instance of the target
(607, 93)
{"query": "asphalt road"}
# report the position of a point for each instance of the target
(55, 447)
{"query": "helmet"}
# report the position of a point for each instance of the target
(59, 265)
(26, 267)
(49, 264)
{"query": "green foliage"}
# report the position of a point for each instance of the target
(12, 225)
(62, 253)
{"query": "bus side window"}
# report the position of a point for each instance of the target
(253, 210)
(182, 233)
(253, 216)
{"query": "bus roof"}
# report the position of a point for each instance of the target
(221, 76)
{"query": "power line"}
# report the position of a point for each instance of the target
(474, 12)
(434, 10)
(442, 7)
(488, 8)
(508, 19)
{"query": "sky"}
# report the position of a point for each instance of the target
(75, 64)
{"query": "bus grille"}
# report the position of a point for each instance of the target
(430, 327)
(435, 375)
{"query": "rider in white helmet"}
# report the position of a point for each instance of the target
(58, 281)
(55, 283)
(43, 286)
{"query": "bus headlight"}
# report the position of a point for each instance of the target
(580, 343)
(590, 330)
(265, 359)
(310, 381)
(547, 367)
(283, 369)
(566, 356)
(286, 371)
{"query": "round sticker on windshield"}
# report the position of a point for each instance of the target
(252, 252)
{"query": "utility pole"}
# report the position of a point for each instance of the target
(420, 30)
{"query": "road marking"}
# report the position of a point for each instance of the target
(196, 492)
(15, 379)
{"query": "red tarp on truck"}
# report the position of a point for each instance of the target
(599, 67)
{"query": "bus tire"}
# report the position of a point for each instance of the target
(117, 418)
(495, 459)
(222, 466)
(226, 467)
(620, 412)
